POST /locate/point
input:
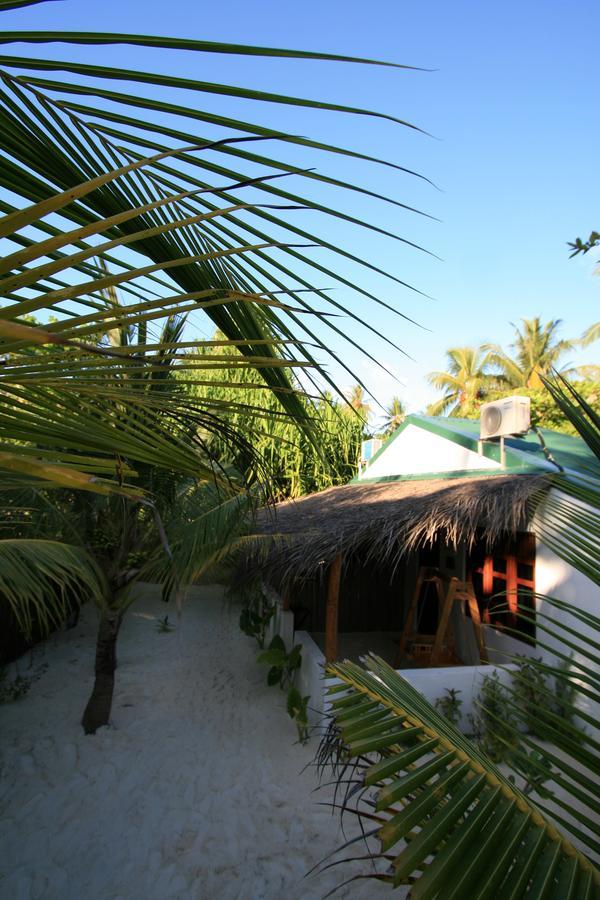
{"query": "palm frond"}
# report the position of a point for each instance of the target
(41, 579)
(448, 822)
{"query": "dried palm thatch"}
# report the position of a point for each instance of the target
(385, 521)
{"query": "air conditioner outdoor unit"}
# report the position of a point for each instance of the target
(511, 415)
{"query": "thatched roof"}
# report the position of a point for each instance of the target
(386, 520)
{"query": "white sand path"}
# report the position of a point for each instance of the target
(195, 791)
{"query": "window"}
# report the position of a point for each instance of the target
(508, 570)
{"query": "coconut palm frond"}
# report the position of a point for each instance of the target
(466, 379)
(550, 738)
(590, 335)
(123, 226)
(395, 415)
(447, 821)
(40, 580)
(208, 532)
(161, 209)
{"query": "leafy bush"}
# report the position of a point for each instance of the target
(495, 724)
(449, 705)
(283, 665)
(297, 707)
(531, 694)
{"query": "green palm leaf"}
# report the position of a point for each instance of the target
(448, 821)
(40, 580)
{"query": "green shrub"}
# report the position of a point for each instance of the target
(449, 705)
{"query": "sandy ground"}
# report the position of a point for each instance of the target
(196, 790)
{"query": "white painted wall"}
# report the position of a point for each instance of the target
(417, 452)
(310, 678)
(431, 682)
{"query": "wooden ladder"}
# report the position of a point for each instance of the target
(439, 647)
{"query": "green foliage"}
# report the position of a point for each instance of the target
(283, 668)
(565, 694)
(395, 414)
(579, 246)
(12, 689)
(466, 381)
(255, 624)
(282, 665)
(535, 352)
(530, 692)
(163, 626)
(477, 375)
(293, 465)
(536, 769)
(297, 707)
(545, 413)
(495, 723)
(449, 705)
(449, 821)
(256, 613)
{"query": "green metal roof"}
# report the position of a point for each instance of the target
(523, 454)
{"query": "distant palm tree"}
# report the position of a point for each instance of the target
(467, 379)
(396, 413)
(590, 335)
(359, 402)
(535, 352)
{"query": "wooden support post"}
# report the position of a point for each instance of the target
(443, 623)
(408, 628)
(331, 613)
(476, 619)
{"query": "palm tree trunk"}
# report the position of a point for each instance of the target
(97, 711)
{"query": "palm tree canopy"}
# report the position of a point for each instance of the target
(111, 193)
(466, 379)
(395, 415)
(104, 189)
(590, 335)
(536, 350)
(358, 401)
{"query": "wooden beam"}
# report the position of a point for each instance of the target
(331, 612)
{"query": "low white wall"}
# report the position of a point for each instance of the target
(310, 679)
(431, 682)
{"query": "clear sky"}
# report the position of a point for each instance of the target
(513, 106)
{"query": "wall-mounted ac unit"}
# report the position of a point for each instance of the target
(511, 415)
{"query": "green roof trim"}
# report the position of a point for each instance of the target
(456, 473)
(523, 454)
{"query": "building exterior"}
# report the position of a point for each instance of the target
(433, 496)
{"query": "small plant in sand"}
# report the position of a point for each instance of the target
(283, 667)
(256, 614)
(163, 626)
(12, 689)
(297, 707)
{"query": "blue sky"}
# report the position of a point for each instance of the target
(513, 106)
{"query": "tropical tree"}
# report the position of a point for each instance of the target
(536, 351)
(590, 335)
(579, 246)
(295, 465)
(103, 189)
(466, 379)
(359, 402)
(449, 822)
(395, 414)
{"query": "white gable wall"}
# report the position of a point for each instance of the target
(419, 452)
